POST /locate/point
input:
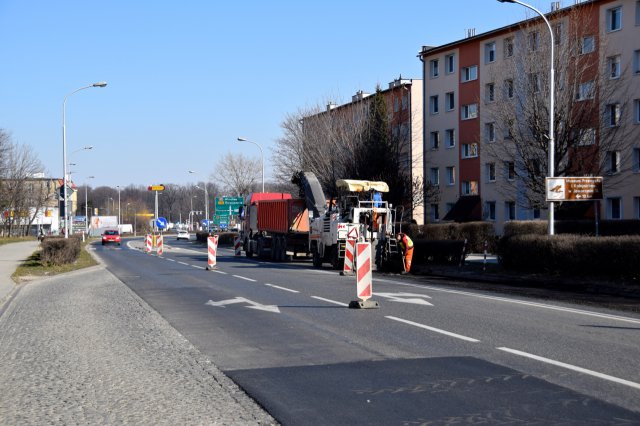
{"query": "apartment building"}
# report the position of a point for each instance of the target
(487, 113)
(403, 99)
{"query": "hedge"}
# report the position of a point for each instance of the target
(224, 238)
(59, 250)
(582, 227)
(476, 233)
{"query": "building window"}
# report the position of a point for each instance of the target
(613, 162)
(612, 112)
(614, 19)
(636, 160)
(449, 206)
(588, 45)
(636, 61)
(510, 210)
(510, 168)
(470, 188)
(435, 176)
(469, 150)
(508, 47)
(433, 104)
(491, 172)
(405, 102)
(638, 13)
(613, 66)
(614, 208)
(469, 73)
(534, 82)
(636, 207)
(534, 41)
(434, 140)
(508, 89)
(449, 101)
(636, 111)
(450, 64)
(433, 68)
(490, 92)
(469, 111)
(435, 213)
(557, 33)
(587, 137)
(585, 91)
(536, 213)
(490, 52)
(490, 210)
(489, 132)
(396, 105)
(451, 175)
(450, 138)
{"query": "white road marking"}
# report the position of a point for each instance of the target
(319, 271)
(413, 298)
(183, 263)
(244, 278)
(331, 301)
(573, 367)
(437, 330)
(282, 288)
(196, 266)
(254, 305)
(217, 271)
(171, 260)
(518, 302)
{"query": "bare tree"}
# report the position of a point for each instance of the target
(238, 174)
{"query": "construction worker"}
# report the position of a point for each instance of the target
(406, 245)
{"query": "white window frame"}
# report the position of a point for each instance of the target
(636, 111)
(635, 155)
(490, 132)
(434, 70)
(490, 210)
(587, 137)
(509, 89)
(588, 45)
(636, 207)
(636, 62)
(614, 67)
(508, 47)
(450, 64)
(434, 212)
(510, 170)
(533, 40)
(510, 206)
(585, 91)
(613, 115)
(469, 111)
(490, 92)
(614, 162)
(469, 187)
(451, 175)
(469, 150)
(434, 107)
(614, 24)
(449, 101)
(434, 140)
(490, 52)
(490, 169)
(434, 176)
(450, 138)
(638, 13)
(610, 208)
(469, 73)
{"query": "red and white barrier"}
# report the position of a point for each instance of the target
(238, 246)
(212, 249)
(148, 243)
(364, 280)
(349, 257)
(160, 245)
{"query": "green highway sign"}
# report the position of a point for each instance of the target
(226, 209)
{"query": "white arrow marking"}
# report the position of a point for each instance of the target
(402, 298)
(254, 305)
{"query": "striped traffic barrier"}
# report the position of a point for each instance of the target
(364, 278)
(349, 251)
(238, 246)
(212, 248)
(160, 243)
(148, 243)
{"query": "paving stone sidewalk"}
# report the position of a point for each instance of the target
(82, 348)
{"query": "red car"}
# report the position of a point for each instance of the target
(111, 236)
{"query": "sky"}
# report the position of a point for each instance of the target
(187, 78)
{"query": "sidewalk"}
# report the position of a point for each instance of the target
(11, 256)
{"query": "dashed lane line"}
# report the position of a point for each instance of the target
(244, 278)
(572, 367)
(436, 330)
(330, 301)
(183, 263)
(196, 266)
(282, 288)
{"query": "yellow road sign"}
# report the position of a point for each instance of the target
(156, 188)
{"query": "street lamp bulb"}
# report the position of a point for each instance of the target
(191, 171)
(88, 147)
(100, 84)
(242, 139)
(506, 1)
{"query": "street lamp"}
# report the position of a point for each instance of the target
(64, 153)
(118, 186)
(206, 198)
(261, 155)
(551, 107)
(86, 206)
(191, 213)
(112, 208)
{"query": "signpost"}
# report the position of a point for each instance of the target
(156, 188)
(586, 188)
(226, 210)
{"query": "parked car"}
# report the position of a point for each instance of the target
(111, 236)
(183, 234)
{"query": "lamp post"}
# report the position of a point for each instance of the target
(261, 156)
(64, 152)
(112, 208)
(118, 186)
(206, 199)
(551, 107)
(86, 206)
(191, 213)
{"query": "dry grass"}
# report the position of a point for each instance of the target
(33, 267)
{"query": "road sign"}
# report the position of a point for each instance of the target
(588, 188)
(161, 223)
(156, 188)
(226, 209)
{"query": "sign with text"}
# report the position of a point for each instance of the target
(156, 188)
(587, 188)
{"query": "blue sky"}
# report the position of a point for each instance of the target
(186, 78)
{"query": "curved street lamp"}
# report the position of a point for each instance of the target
(261, 156)
(64, 153)
(86, 206)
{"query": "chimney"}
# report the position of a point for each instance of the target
(555, 5)
(331, 106)
(471, 32)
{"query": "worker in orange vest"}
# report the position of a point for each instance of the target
(406, 245)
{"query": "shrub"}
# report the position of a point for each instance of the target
(476, 233)
(522, 227)
(224, 238)
(439, 252)
(60, 251)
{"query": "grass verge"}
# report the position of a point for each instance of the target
(33, 267)
(10, 240)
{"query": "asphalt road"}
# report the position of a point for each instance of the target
(431, 353)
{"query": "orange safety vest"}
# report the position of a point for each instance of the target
(405, 242)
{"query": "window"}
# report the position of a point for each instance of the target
(450, 137)
(557, 33)
(396, 105)
(508, 89)
(451, 175)
(636, 111)
(490, 92)
(490, 52)
(612, 112)
(613, 66)
(636, 207)
(470, 188)
(534, 40)
(510, 168)
(508, 47)
(489, 132)
(450, 64)
(585, 91)
(510, 210)
(433, 104)
(534, 82)
(536, 213)
(638, 13)
(613, 162)
(433, 68)
(434, 175)
(469, 73)
(588, 45)
(614, 19)
(636, 61)
(469, 111)
(449, 101)
(614, 208)
(587, 137)
(435, 213)
(491, 172)
(469, 150)
(405, 102)
(490, 210)
(434, 140)
(636, 160)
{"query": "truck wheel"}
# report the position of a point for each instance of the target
(335, 260)
(317, 260)
(275, 249)
(247, 250)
